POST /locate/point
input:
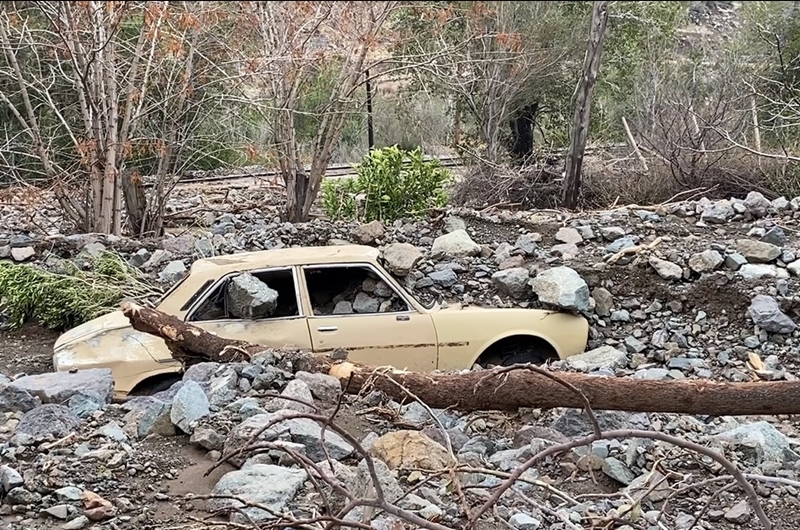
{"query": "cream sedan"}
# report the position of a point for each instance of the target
(320, 299)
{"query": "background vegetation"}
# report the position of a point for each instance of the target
(689, 96)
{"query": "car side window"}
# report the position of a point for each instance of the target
(347, 290)
(251, 296)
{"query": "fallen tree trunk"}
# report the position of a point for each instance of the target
(490, 389)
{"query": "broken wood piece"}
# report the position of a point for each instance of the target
(489, 389)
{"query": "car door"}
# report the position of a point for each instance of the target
(284, 327)
(359, 309)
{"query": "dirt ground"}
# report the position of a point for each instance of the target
(28, 350)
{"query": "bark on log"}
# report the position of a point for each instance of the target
(488, 389)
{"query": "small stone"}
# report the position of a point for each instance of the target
(666, 269)
(602, 357)
(22, 253)
(76, 524)
(523, 521)
(60, 511)
(189, 405)
(10, 478)
(757, 251)
(706, 261)
(569, 235)
(735, 261)
(618, 471)
(528, 243)
(739, 513)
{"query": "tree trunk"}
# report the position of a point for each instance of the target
(135, 200)
(298, 187)
(489, 389)
(583, 104)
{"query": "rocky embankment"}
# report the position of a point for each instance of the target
(697, 289)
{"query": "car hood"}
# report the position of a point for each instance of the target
(107, 340)
(111, 321)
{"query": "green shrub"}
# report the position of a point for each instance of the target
(64, 299)
(390, 184)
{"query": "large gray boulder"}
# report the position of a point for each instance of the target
(562, 287)
(513, 282)
(188, 406)
(271, 486)
(718, 212)
(400, 258)
(249, 297)
(761, 443)
(301, 430)
(59, 387)
(766, 313)
(148, 415)
(48, 420)
(15, 399)
(456, 244)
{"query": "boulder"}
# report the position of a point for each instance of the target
(761, 443)
(757, 251)
(569, 235)
(369, 233)
(173, 272)
(756, 204)
(48, 420)
(456, 244)
(513, 282)
(295, 390)
(365, 303)
(59, 387)
(249, 297)
(323, 387)
(706, 261)
(188, 406)
(562, 287)
(666, 269)
(265, 484)
(573, 422)
(148, 415)
(602, 357)
(409, 449)
(718, 212)
(766, 313)
(528, 243)
(301, 430)
(15, 399)
(401, 258)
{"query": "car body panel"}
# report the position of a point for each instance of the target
(421, 338)
(466, 332)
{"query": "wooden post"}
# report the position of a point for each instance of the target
(583, 104)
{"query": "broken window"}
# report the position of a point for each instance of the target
(351, 290)
(251, 296)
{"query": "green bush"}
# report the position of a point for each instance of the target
(64, 299)
(390, 183)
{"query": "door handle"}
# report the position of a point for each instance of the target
(327, 328)
(403, 318)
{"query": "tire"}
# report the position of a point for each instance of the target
(530, 354)
(157, 384)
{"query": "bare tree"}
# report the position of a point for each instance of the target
(583, 105)
(295, 40)
(85, 78)
(491, 59)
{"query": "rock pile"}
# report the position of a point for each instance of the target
(697, 289)
(69, 470)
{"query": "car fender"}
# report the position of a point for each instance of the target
(521, 332)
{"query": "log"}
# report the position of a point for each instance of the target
(494, 389)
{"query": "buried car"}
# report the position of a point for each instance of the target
(320, 299)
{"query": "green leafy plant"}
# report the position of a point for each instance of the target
(390, 183)
(71, 296)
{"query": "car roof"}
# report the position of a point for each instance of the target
(286, 256)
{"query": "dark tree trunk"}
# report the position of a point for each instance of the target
(522, 131)
(490, 390)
